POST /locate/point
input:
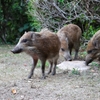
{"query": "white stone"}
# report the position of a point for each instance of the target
(70, 65)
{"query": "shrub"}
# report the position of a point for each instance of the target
(54, 14)
(13, 20)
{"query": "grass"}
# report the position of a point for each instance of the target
(75, 72)
(95, 64)
(39, 64)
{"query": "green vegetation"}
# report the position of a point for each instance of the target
(75, 71)
(13, 20)
(95, 64)
(90, 32)
(18, 16)
(83, 54)
(39, 64)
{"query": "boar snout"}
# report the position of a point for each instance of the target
(88, 60)
(16, 50)
(67, 56)
(68, 59)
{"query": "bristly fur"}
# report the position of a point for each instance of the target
(69, 36)
(43, 45)
(93, 48)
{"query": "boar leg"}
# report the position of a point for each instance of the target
(76, 54)
(43, 69)
(70, 51)
(50, 69)
(99, 60)
(35, 60)
(54, 68)
(76, 50)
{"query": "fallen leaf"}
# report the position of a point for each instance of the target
(13, 91)
(25, 65)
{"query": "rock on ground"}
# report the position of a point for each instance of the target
(70, 65)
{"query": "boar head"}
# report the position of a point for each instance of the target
(25, 42)
(93, 51)
(64, 50)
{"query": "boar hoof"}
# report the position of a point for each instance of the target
(53, 73)
(30, 76)
(48, 72)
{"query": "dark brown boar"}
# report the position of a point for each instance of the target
(93, 48)
(69, 36)
(43, 45)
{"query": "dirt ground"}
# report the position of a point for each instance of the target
(14, 85)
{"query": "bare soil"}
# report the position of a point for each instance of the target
(14, 85)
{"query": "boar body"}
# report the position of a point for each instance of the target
(93, 48)
(43, 45)
(69, 36)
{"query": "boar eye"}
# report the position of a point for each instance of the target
(24, 40)
(89, 51)
(92, 51)
(62, 49)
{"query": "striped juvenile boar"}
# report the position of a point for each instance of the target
(93, 48)
(43, 45)
(69, 36)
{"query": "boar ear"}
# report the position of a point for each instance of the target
(35, 35)
(25, 32)
(96, 44)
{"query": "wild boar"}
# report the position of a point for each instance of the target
(69, 36)
(93, 48)
(43, 45)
